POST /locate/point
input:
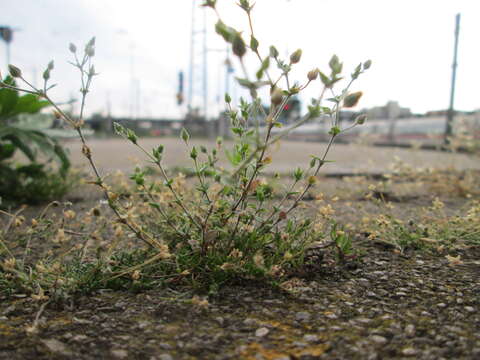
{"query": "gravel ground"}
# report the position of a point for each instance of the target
(390, 306)
(386, 305)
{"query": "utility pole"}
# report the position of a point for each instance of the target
(450, 112)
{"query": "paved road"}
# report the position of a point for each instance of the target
(113, 154)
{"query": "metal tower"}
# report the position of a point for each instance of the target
(198, 75)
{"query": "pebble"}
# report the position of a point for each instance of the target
(302, 316)
(261, 332)
(442, 305)
(363, 320)
(378, 339)
(165, 357)
(249, 322)
(143, 324)
(79, 337)
(410, 330)
(331, 316)
(119, 353)
(409, 351)
(470, 309)
(310, 338)
(56, 346)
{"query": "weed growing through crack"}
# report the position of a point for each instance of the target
(232, 224)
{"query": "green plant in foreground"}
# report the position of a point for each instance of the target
(231, 223)
(34, 181)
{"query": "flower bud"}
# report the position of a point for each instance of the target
(313, 74)
(184, 135)
(360, 119)
(296, 56)
(238, 46)
(367, 64)
(277, 96)
(352, 99)
(253, 43)
(72, 48)
(273, 51)
(14, 71)
(90, 51)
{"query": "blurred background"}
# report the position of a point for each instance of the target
(162, 66)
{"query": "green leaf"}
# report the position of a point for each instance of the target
(6, 151)
(30, 104)
(8, 99)
(228, 33)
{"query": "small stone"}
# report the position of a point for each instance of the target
(56, 346)
(400, 293)
(442, 305)
(79, 337)
(409, 351)
(220, 320)
(378, 339)
(302, 316)
(331, 316)
(261, 332)
(143, 324)
(470, 309)
(119, 353)
(249, 322)
(410, 330)
(310, 338)
(299, 344)
(165, 357)
(165, 346)
(363, 320)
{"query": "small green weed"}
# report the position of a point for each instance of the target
(233, 222)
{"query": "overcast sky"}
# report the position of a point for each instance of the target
(143, 44)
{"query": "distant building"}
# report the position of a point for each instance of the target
(387, 112)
